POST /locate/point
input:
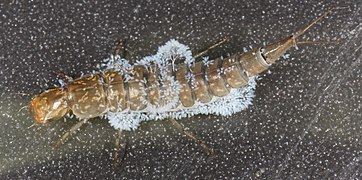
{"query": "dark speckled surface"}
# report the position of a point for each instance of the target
(305, 122)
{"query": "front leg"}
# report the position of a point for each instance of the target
(67, 134)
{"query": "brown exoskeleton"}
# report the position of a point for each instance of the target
(96, 94)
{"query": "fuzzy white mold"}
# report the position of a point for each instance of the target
(236, 101)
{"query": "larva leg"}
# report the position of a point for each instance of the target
(120, 49)
(64, 76)
(117, 147)
(192, 136)
(226, 39)
(67, 134)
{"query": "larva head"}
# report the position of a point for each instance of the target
(49, 105)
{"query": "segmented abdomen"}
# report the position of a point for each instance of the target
(93, 95)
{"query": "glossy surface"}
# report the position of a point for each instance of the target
(49, 105)
(116, 93)
(137, 94)
(200, 86)
(215, 79)
(234, 73)
(86, 97)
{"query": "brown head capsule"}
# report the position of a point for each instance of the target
(49, 105)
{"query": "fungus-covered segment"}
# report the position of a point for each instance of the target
(86, 96)
(169, 90)
(215, 79)
(179, 90)
(200, 85)
(234, 74)
(153, 86)
(185, 95)
(137, 90)
(116, 94)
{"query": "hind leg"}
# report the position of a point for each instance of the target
(117, 147)
(120, 49)
(192, 136)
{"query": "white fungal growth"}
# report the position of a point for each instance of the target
(62, 83)
(116, 63)
(166, 56)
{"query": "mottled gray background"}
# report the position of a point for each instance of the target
(305, 122)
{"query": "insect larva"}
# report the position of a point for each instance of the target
(95, 94)
(156, 88)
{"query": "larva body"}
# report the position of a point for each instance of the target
(93, 95)
(156, 88)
